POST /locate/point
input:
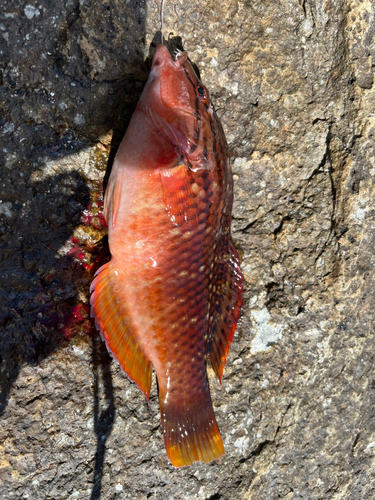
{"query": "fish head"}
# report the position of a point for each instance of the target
(178, 106)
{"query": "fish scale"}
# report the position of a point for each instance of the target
(171, 295)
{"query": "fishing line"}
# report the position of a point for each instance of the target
(161, 21)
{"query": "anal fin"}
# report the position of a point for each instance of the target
(117, 330)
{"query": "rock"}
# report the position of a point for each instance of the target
(293, 85)
(364, 80)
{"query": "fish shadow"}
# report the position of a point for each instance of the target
(40, 307)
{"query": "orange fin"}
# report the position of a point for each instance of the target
(191, 436)
(225, 306)
(179, 197)
(115, 327)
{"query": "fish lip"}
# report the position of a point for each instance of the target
(162, 57)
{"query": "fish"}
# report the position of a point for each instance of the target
(170, 297)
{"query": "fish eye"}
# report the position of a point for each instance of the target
(202, 94)
(201, 91)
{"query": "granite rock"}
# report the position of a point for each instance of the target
(292, 82)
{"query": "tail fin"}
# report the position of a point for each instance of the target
(191, 434)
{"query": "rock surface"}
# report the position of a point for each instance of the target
(293, 84)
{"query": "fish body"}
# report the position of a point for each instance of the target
(170, 297)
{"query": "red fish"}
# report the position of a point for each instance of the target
(170, 297)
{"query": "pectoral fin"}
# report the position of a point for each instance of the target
(112, 200)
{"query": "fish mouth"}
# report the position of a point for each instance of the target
(163, 57)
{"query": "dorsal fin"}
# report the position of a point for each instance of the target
(225, 303)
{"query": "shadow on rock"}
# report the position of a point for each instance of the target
(79, 73)
(103, 419)
(70, 73)
(40, 306)
(80, 66)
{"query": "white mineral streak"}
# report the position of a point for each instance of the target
(359, 212)
(370, 448)
(31, 11)
(84, 162)
(267, 334)
(242, 444)
(5, 208)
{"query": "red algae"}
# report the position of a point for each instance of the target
(65, 309)
(78, 321)
(88, 252)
